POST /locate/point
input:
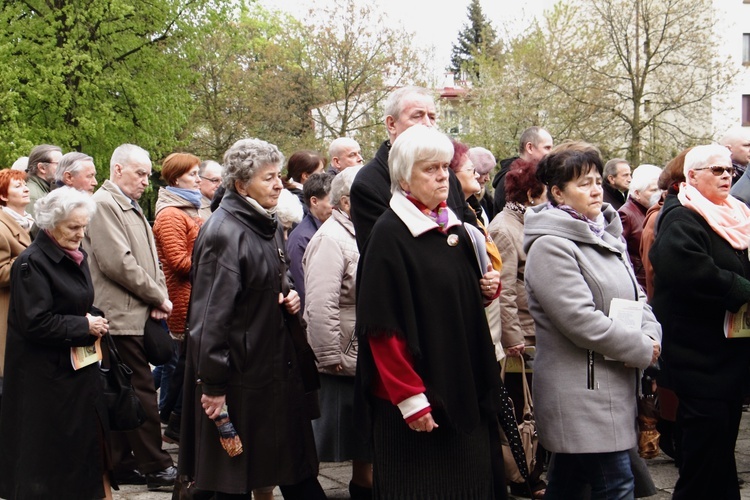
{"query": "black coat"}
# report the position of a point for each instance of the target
(498, 184)
(613, 196)
(53, 417)
(240, 346)
(371, 193)
(698, 277)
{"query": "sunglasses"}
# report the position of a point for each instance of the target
(718, 170)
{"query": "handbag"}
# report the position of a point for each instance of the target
(157, 342)
(527, 430)
(123, 406)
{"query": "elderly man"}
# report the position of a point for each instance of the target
(644, 193)
(130, 288)
(210, 173)
(371, 190)
(737, 140)
(616, 182)
(344, 152)
(484, 162)
(78, 171)
(533, 145)
(43, 161)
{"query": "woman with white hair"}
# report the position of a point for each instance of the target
(426, 365)
(330, 265)
(643, 194)
(54, 426)
(701, 266)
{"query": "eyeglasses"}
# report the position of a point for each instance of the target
(212, 181)
(718, 170)
(470, 169)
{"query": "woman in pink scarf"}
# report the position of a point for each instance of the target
(702, 271)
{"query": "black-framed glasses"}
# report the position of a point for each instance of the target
(215, 180)
(718, 170)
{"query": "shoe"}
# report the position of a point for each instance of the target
(157, 480)
(172, 432)
(130, 477)
(357, 492)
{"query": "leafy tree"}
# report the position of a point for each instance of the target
(478, 38)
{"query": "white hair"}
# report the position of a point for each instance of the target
(643, 176)
(342, 183)
(289, 209)
(704, 156)
(417, 143)
(21, 164)
(71, 162)
(126, 154)
(59, 204)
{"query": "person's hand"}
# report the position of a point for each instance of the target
(425, 423)
(657, 353)
(212, 405)
(98, 325)
(516, 350)
(291, 301)
(163, 311)
(489, 283)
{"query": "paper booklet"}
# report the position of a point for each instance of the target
(736, 324)
(86, 355)
(626, 312)
(480, 248)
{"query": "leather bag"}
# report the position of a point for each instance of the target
(123, 406)
(157, 342)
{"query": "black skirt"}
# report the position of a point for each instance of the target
(444, 463)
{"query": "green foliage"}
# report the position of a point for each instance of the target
(478, 39)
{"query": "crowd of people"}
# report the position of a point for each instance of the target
(324, 309)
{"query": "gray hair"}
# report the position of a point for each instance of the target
(643, 176)
(59, 204)
(610, 168)
(71, 162)
(127, 154)
(394, 102)
(703, 156)
(417, 143)
(40, 154)
(342, 184)
(483, 160)
(243, 159)
(204, 164)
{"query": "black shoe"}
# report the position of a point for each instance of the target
(357, 492)
(166, 477)
(130, 477)
(172, 432)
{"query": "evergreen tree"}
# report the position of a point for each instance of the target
(477, 39)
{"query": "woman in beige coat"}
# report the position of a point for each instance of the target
(15, 223)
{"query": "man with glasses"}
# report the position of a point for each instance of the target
(43, 161)
(209, 172)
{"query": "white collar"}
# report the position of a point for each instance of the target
(417, 222)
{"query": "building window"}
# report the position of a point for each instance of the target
(746, 110)
(746, 48)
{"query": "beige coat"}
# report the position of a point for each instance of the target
(13, 240)
(124, 264)
(330, 265)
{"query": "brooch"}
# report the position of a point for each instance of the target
(452, 240)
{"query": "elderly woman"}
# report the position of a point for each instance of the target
(484, 162)
(330, 265)
(575, 267)
(426, 364)
(702, 271)
(241, 356)
(53, 425)
(15, 224)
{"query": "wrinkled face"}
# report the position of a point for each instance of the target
(416, 109)
(468, 177)
(621, 180)
(265, 186)
(648, 196)
(18, 195)
(714, 187)
(350, 156)
(84, 179)
(535, 153)
(69, 232)
(47, 169)
(583, 194)
(188, 180)
(428, 182)
(210, 180)
(132, 178)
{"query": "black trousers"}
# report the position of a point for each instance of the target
(140, 448)
(709, 435)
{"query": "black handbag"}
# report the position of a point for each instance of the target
(157, 342)
(123, 406)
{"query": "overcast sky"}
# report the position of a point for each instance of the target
(437, 24)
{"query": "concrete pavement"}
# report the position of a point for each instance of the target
(335, 477)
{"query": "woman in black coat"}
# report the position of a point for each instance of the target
(240, 351)
(53, 425)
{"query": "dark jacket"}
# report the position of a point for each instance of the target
(699, 277)
(52, 417)
(613, 196)
(371, 193)
(239, 345)
(633, 215)
(498, 183)
(296, 245)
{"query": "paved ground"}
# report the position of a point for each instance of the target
(335, 477)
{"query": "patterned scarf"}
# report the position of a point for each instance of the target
(439, 215)
(514, 206)
(595, 227)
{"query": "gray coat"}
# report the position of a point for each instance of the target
(571, 278)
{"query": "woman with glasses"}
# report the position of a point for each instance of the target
(701, 267)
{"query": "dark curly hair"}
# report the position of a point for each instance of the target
(521, 181)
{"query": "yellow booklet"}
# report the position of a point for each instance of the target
(86, 355)
(736, 325)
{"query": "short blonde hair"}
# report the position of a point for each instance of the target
(417, 143)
